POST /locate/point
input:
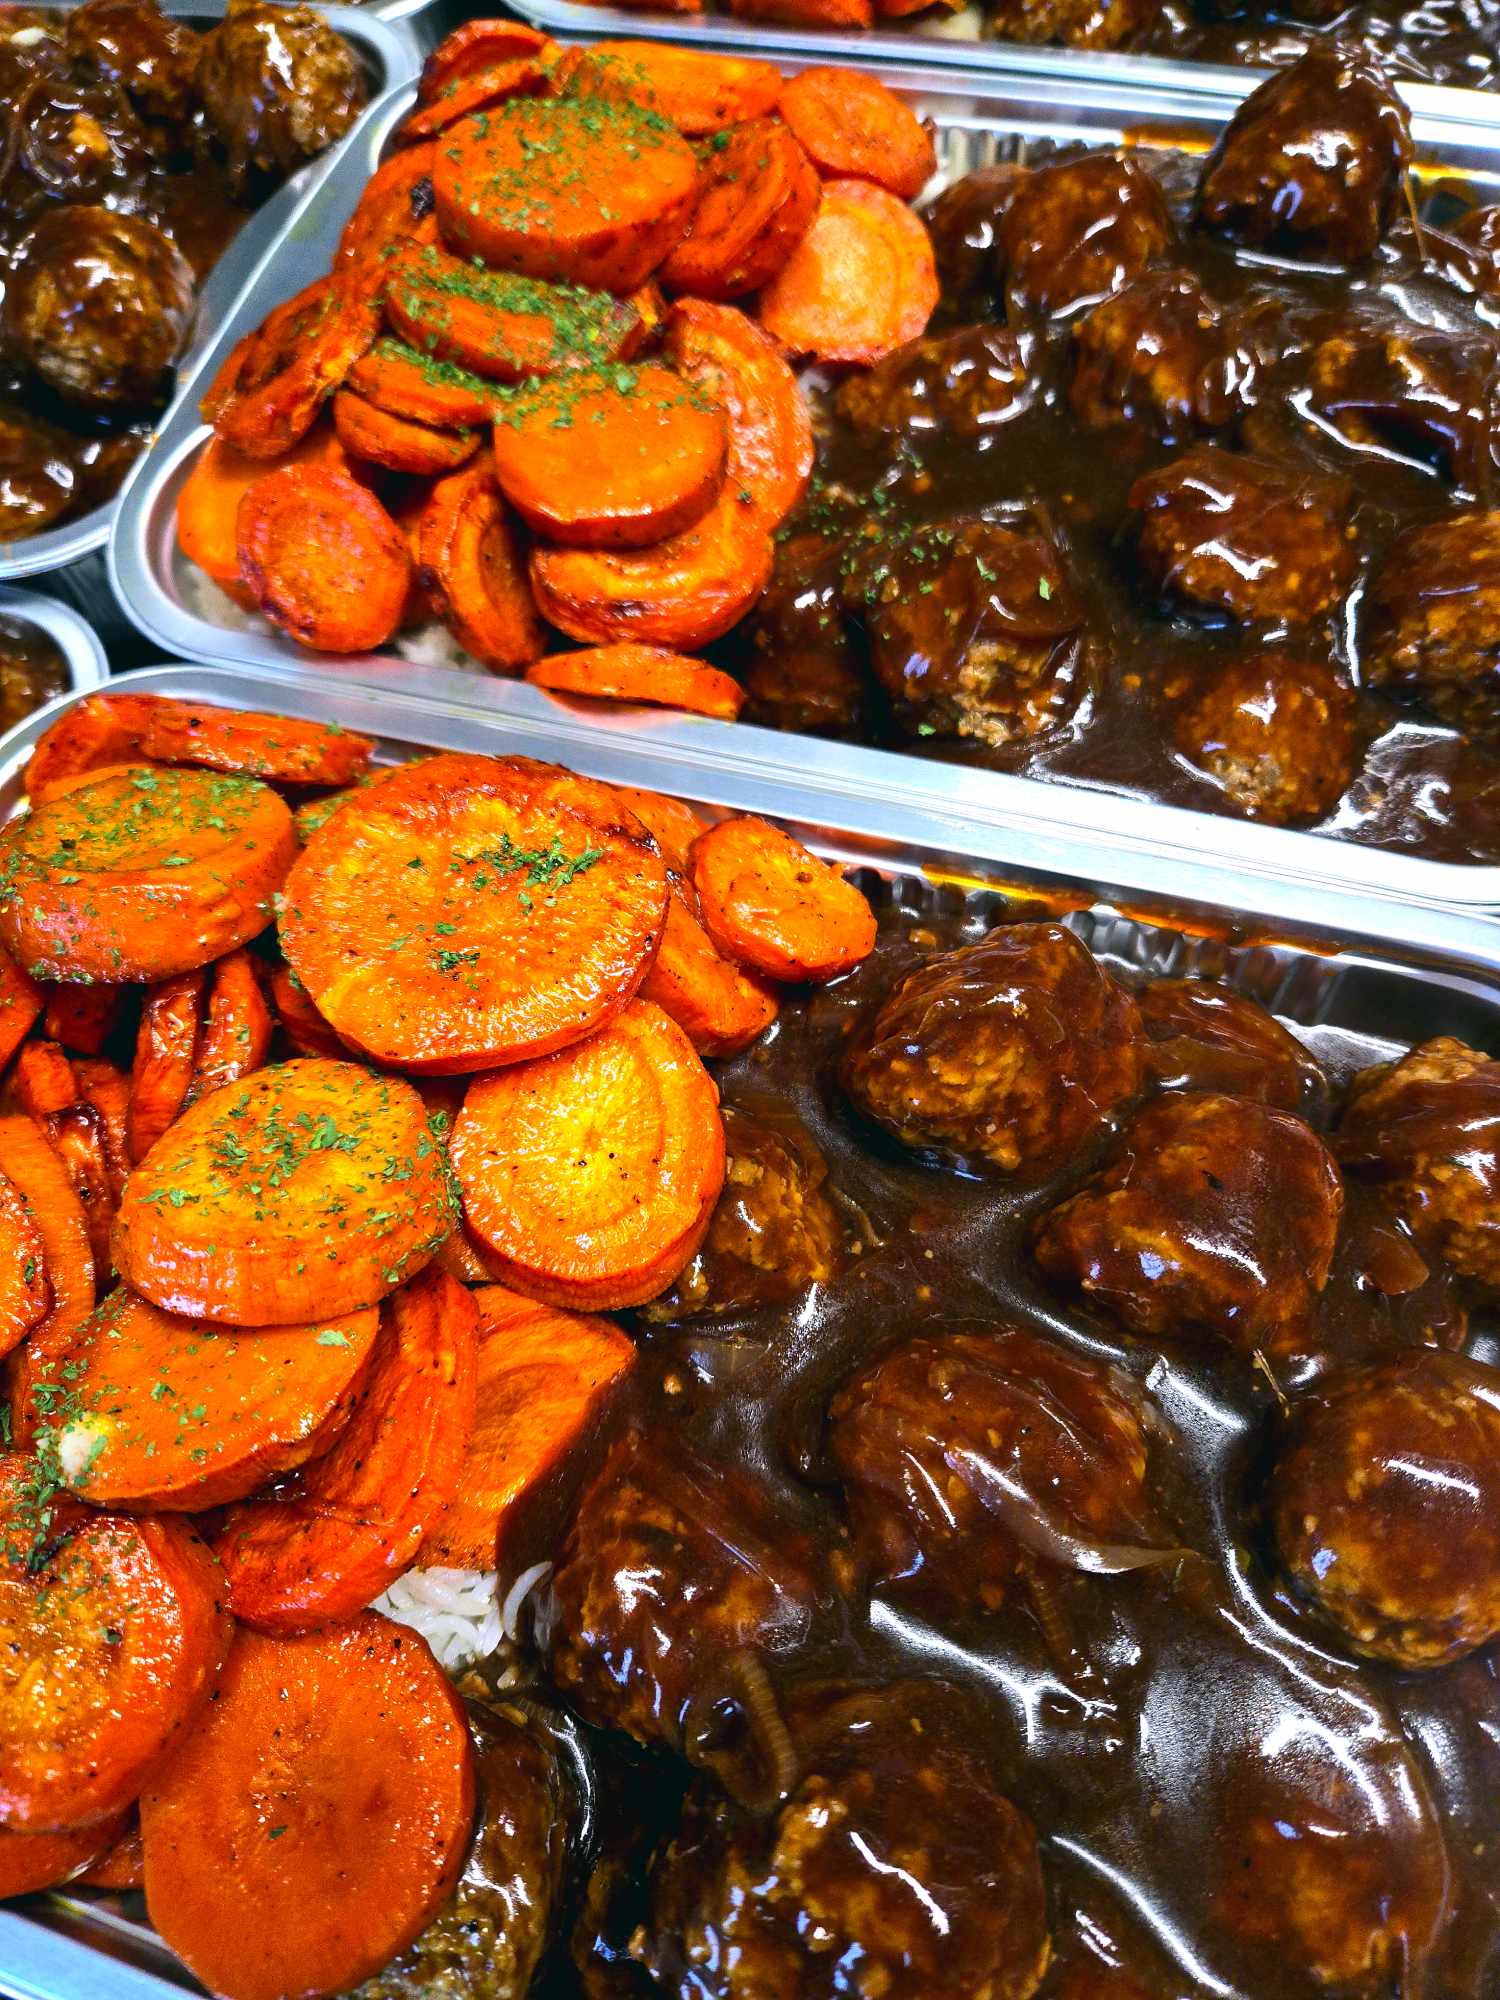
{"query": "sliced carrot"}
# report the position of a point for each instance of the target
(142, 873)
(462, 913)
(584, 189)
(255, 745)
(296, 361)
(760, 194)
(122, 1866)
(720, 1008)
(300, 1021)
(310, 1188)
(33, 1167)
(420, 386)
(317, 1819)
(111, 1634)
(78, 1137)
(696, 92)
(641, 673)
(591, 1174)
(542, 1377)
(861, 282)
(474, 48)
(82, 1018)
(323, 559)
(169, 1415)
(854, 127)
(235, 1037)
(314, 813)
(509, 76)
(24, 1292)
(771, 905)
(42, 1080)
(164, 1050)
(672, 824)
(352, 1522)
(396, 204)
(20, 1004)
(465, 1258)
(106, 1091)
(88, 736)
(470, 561)
(618, 458)
(32, 1861)
(369, 433)
(770, 431)
(209, 503)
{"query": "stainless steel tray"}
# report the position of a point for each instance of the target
(74, 637)
(1365, 979)
(391, 55)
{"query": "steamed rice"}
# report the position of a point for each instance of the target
(461, 1613)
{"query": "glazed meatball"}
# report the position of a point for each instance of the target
(1276, 734)
(98, 306)
(1207, 1037)
(1385, 1506)
(1214, 1215)
(1007, 1054)
(1432, 619)
(37, 478)
(774, 1231)
(968, 1457)
(278, 84)
(1424, 394)
(1158, 353)
(1078, 230)
(1078, 24)
(1427, 1129)
(1312, 162)
(1479, 233)
(150, 57)
(1245, 538)
(895, 1867)
(964, 224)
(80, 143)
(966, 384)
(671, 1571)
(974, 630)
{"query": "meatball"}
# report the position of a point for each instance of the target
(1008, 1053)
(968, 1457)
(99, 306)
(1078, 24)
(1479, 232)
(774, 1231)
(1277, 734)
(964, 224)
(966, 384)
(80, 143)
(894, 1867)
(804, 671)
(1432, 619)
(37, 477)
(1078, 230)
(1385, 1506)
(672, 1570)
(150, 57)
(974, 630)
(1207, 1037)
(1312, 162)
(1424, 394)
(278, 85)
(1245, 538)
(1427, 1128)
(1158, 353)
(1214, 1215)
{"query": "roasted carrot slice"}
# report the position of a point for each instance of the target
(79, 1139)
(770, 431)
(168, 1415)
(300, 356)
(255, 745)
(122, 1866)
(32, 1861)
(323, 559)
(316, 1819)
(591, 1174)
(760, 195)
(853, 127)
(470, 561)
(42, 1080)
(312, 1187)
(351, 1523)
(300, 1021)
(33, 1169)
(465, 912)
(396, 203)
(474, 48)
(696, 92)
(20, 1004)
(235, 1037)
(142, 873)
(106, 1091)
(314, 813)
(420, 386)
(720, 1008)
(111, 1633)
(641, 673)
(581, 189)
(511, 76)
(165, 1046)
(672, 823)
(93, 733)
(542, 1377)
(24, 1292)
(770, 904)
(861, 282)
(208, 505)
(375, 436)
(465, 1258)
(82, 1018)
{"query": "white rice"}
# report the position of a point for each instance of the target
(461, 1613)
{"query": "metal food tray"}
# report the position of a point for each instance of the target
(1366, 979)
(73, 636)
(391, 55)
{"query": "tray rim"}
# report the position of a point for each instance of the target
(70, 632)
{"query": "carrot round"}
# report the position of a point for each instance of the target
(82, 1018)
(506, 76)
(376, 437)
(122, 1865)
(173, 1416)
(323, 559)
(420, 386)
(474, 48)
(671, 823)
(465, 912)
(35, 1170)
(770, 431)
(720, 1008)
(89, 735)
(641, 673)
(20, 1004)
(310, 1188)
(209, 501)
(773, 906)
(861, 282)
(299, 1020)
(758, 201)
(613, 459)
(585, 189)
(696, 92)
(106, 1091)
(235, 1037)
(254, 745)
(469, 558)
(542, 1377)
(269, 393)
(24, 1291)
(111, 1633)
(79, 1140)
(853, 127)
(32, 1861)
(41, 1080)
(341, 1533)
(164, 1049)
(591, 1174)
(396, 203)
(316, 1819)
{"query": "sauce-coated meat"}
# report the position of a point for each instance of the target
(1075, 231)
(1276, 733)
(1204, 1036)
(964, 384)
(278, 85)
(804, 672)
(1159, 353)
(150, 56)
(1432, 622)
(1424, 394)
